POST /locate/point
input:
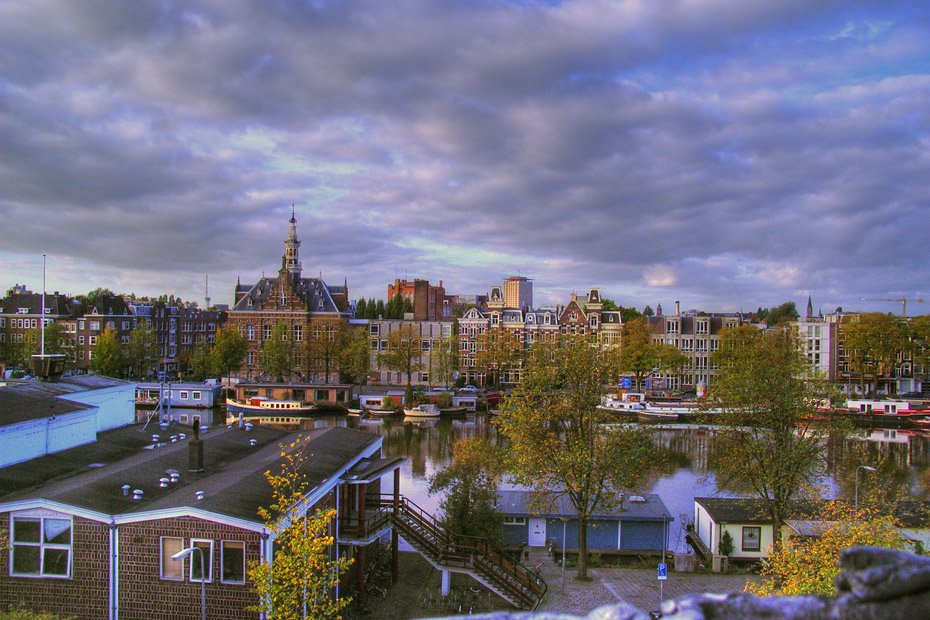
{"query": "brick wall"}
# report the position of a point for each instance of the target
(144, 595)
(84, 595)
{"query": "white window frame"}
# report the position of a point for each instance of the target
(182, 394)
(41, 516)
(163, 557)
(223, 544)
(195, 559)
(514, 520)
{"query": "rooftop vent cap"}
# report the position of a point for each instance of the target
(155, 438)
(198, 495)
(163, 483)
(126, 488)
(203, 429)
(137, 493)
(174, 439)
(253, 442)
(182, 436)
(248, 426)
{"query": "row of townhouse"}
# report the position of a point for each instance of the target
(177, 330)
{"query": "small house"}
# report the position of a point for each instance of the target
(640, 524)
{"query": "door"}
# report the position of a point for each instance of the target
(537, 532)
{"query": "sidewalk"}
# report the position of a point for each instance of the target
(638, 587)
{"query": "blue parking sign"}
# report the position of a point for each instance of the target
(663, 571)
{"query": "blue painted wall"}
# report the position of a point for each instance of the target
(642, 535)
(516, 534)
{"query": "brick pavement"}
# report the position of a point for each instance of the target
(637, 586)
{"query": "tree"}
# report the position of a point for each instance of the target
(784, 313)
(919, 336)
(403, 354)
(107, 357)
(277, 353)
(637, 352)
(323, 344)
(142, 351)
(57, 342)
(498, 350)
(558, 444)
(809, 566)
(354, 357)
(228, 351)
(361, 308)
(628, 314)
(874, 343)
(301, 579)
(768, 441)
(648, 311)
(201, 361)
(470, 494)
(90, 299)
(444, 360)
(609, 304)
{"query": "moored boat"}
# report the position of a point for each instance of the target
(426, 410)
(258, 405)
(656, 415)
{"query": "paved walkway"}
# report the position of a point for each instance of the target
(639, 587)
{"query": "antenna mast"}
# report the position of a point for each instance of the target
(206, 291)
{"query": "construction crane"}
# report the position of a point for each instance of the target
(900, 300)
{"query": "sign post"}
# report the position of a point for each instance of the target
(663, 575)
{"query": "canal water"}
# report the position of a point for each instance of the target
(901, 458)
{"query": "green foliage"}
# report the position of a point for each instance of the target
(648, 311)
(470, 492)
(768, 441)
(277, 354)
(629, 314)
(228, 351)
(444, 400)
(323, 345)
(497, 350)
(874, 343)
(403, 352)
(641, 356)
(90, 299)
(784, 313)
(443, 360)
(302, 574)
(809, 566)
(387, 402)
(142, 352)
(201, 362)
(558, 443)
(609, 304)
(108, 355)
(19, 613)
(354, 357)
(725, 546)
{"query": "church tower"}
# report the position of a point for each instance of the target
(292, 249)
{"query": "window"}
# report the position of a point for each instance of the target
(266, 331)
(171, 569)
(233, 561)
(196, 395)
(95, 326)
(250, 332)
(40, 546)
(752, 538)
(514, 520)
(206, 547)
(183, 394)
(92, 340)
(298, 333)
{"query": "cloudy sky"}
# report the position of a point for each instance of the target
(725, 153)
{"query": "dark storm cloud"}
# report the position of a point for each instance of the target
(725, 153)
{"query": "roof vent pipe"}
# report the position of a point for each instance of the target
(126, 488)
(174, 439)
(253, 442)
(241, 420)
(198, 495)
(155, 438)
(163, 483)
(137, 494)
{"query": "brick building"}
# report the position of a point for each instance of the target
(300, 303)
(92, 532)
(428, 301)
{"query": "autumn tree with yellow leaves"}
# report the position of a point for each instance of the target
(301, 581)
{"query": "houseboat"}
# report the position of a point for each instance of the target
(203, 395)
(256, 399)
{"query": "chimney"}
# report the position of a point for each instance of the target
(195, 450)
(677, 308)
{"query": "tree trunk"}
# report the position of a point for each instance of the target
(582, 548)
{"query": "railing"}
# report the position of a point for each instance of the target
(353, 527)
(466, 552)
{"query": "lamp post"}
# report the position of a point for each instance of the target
(867, 468)
(564, 524)
(180, 555)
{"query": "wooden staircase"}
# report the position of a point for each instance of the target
(510, 580)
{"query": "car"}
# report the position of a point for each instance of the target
(468, 388)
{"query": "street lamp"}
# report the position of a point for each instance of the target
(180, 555)
(564, 524)
(867, 468)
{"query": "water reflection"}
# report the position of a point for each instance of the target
(901, 458)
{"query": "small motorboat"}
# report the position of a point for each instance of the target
(427, 410)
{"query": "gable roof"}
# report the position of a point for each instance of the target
(518, 503)
(315, 294)
(749, 510)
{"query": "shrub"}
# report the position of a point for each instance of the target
(387, 402)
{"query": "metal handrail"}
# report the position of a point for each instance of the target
(466, 551)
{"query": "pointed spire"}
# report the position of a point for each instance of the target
(810, 307)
